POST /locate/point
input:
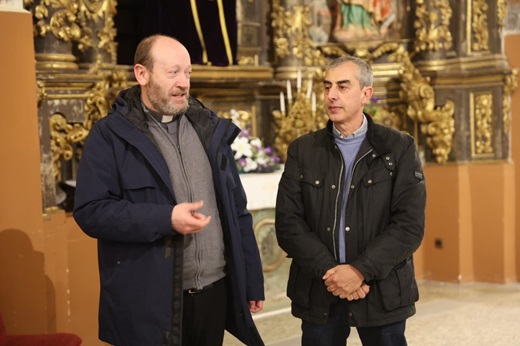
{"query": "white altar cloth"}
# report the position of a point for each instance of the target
(261, 189)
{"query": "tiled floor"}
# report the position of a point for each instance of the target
(470, 314)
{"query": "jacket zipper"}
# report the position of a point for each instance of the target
(336, 207)
(358, 160)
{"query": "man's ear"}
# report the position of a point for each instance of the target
(367, 94)
(141, 74)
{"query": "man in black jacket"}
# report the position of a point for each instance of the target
(350, 214)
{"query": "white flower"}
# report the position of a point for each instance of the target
(262, 159)
(242, 148)
(250, 165)
(256, 142)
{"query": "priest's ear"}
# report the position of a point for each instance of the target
(141, 74)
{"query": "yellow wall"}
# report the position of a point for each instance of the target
(22, 243)
(471, 211)
(512, 50)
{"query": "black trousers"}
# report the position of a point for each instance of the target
(204, 316)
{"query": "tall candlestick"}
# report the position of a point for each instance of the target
(309, 89)
(313, 106)
(289, 93)
(299, 80)
(282, 102)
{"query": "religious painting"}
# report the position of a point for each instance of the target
(344, 21)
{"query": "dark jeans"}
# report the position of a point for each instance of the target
(204, 316)
(336, 331)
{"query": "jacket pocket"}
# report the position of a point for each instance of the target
(399, 288)
(312, 179)
(312, 183)
(138, 186)
(378, 176)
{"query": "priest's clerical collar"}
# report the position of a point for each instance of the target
(159, 117)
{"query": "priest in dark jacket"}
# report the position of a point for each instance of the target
(158, 187)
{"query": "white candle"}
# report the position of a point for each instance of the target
(313, 103)
(289, 93)
(299, 80)
(282, 102)
(309, 89)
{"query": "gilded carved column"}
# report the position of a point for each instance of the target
(291, 20)
(432, 33)
(76, 80)
(458, 50)
(97, 42)
(55, 30)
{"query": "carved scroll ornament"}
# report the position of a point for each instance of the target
(431, 25)
(437, 122)
(57, 17)
(97, 16)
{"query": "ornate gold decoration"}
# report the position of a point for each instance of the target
(431, 25)
(501, 14)
(436, 122)
(481, 124)
(479, 26)
(62, 21)
(41, 92)
(248, 60)
(510, 85)
(102, 95)
(333, 51)
(63, 135)
(97, 15)
(387, 117)
(302, 116)
(242, 118)
(291, 34)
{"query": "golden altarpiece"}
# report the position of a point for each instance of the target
(439, 66)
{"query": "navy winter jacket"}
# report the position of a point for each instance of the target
(124, 199)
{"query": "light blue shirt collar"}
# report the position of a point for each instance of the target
(361, 131)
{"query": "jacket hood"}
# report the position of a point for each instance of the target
(128, 104)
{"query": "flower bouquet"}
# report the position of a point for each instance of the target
(251, 156)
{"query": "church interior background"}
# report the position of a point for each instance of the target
(445, 72)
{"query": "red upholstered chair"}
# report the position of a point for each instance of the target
(55, 339)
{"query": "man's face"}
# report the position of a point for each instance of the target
(168, 84)
(343, 96)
